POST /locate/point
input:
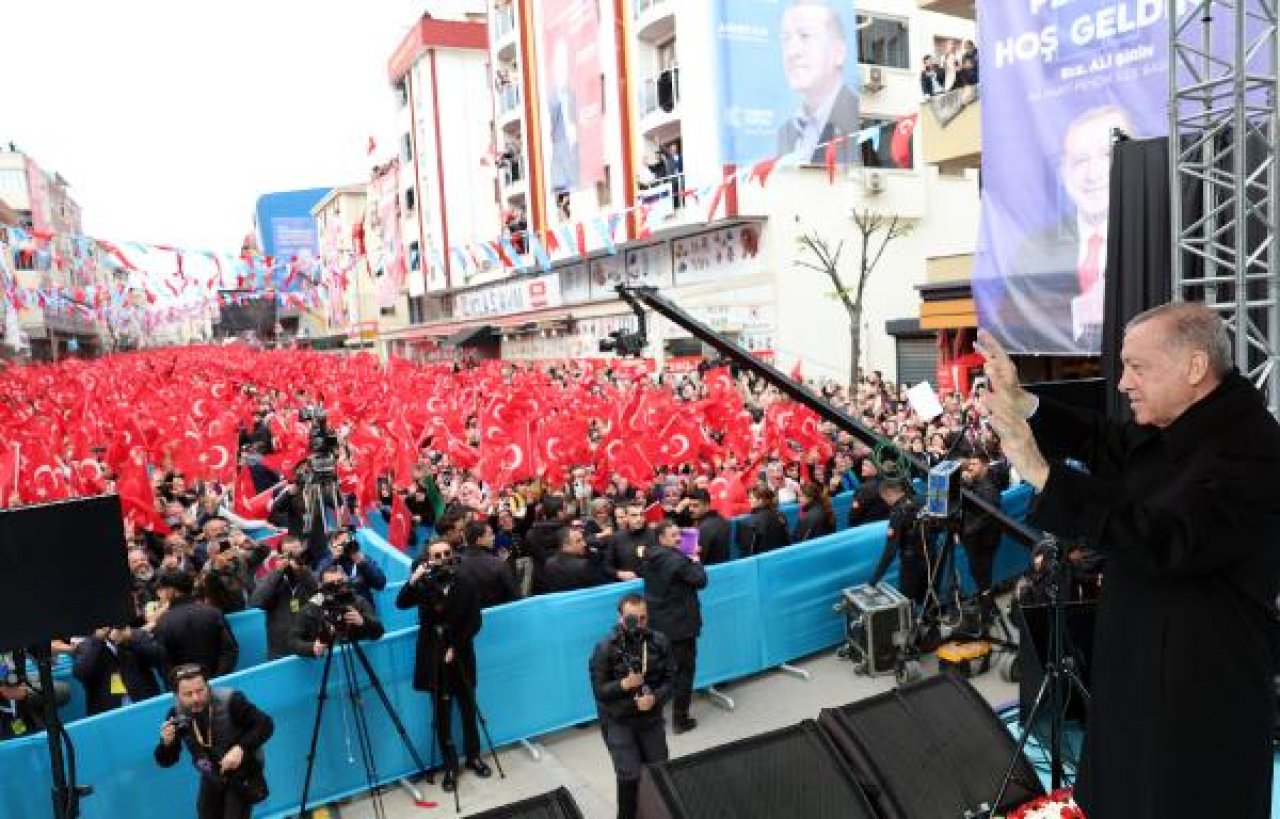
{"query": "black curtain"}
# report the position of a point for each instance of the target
(1139, 250)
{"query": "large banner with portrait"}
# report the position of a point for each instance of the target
(788, 79)
(1058, 79)
(572, 94)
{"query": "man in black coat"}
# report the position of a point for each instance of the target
(671, 583)
(1185, 504)
(488, 574)
(282, 595)
(449, 618)
(543, 537)
(868, 506)
(979, 531)
(191, 631)
(117, 666)
(631, 679)
(713, 529)
(224, 733)
(572, 567)
(626, 549)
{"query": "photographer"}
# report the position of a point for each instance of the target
(282, 594)
(224, 734)
(117, 666)
(903, 540)
(449, 618)
(365, 576)
(335, 612)
(631, 678)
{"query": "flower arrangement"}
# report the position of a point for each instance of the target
(1057, 805)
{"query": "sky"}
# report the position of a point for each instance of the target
(169, 119)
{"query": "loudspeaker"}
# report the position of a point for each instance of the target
(557, 804)
(64, 570)
(794, 771)
(930, 750)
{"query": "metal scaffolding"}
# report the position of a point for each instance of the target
(1225, 181)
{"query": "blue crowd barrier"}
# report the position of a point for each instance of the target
(533, 658)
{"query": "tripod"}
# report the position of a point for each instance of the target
(354, 653)
(319, 492)
(1059, 672)
(441, 700)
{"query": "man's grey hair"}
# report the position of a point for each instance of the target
(1193, 326)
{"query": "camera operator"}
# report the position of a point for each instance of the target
(632, 677)
(488, 574)
(334, 612)
(21, 703)
(903, 540)
(282, 594)
(671, 583)
(628, 546)
(449, 618)
(117, 666)
(224, 733)
(365, 576)
(191, 631)
(573, 566)
(979, 531)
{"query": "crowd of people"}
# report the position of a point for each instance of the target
(955, 67)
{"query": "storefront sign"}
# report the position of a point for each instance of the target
(512, 297)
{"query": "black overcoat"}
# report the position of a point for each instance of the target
(1189, 517)
(448, 617)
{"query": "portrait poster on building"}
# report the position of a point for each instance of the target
(1058, 80)
(572, 94)
(788, 79)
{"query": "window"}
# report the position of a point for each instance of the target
(883, 41)
(406, 147)
(667, 54)
(415, 256)
(387, 311)
(881, 156)
(410, 199)
(416, 312)
(604, 189)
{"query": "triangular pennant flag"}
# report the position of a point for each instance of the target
(580, 233)
(510, 256)
(606, 235)
(538, 251)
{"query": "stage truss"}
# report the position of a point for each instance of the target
(1222, 84)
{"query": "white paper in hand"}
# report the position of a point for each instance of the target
(924, 401)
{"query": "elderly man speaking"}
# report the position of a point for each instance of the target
(1185, 502)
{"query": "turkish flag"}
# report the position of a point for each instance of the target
(8, 473)
(254, 506)
(900, 148)
(400, 529)
(728, 494)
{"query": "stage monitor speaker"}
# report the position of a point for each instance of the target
(557, 804)
(930, 750)
(64, 570)
(794, 771)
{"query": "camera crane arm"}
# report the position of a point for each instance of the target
(647, 297)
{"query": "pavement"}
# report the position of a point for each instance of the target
(576, 757)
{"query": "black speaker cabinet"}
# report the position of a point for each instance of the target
(557, 804)
(930, 750)
(64, 570)
(794, 771)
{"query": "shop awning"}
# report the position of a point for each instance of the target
(471, 336)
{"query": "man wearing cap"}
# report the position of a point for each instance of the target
(903, 540)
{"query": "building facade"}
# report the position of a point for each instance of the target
(629, 149)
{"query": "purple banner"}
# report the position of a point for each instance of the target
(1058, 78)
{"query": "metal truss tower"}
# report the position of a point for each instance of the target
(1225, 180)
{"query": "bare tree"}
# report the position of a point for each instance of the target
(875, 233)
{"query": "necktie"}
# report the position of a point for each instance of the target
(1091, 268)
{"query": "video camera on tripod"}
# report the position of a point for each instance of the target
(336, 599)
(322, 444)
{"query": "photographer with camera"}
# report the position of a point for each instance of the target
(282, 594)
(117, 666)
(224, 733)
(334, 613)
(632, 677)
(449, 618)
(903, 540)
(365, 576)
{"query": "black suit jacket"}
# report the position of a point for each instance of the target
(843, 121)
(489, 575)
(713, 538)
(566, 572)
(449, 616)
(137, 663)
(671, 583)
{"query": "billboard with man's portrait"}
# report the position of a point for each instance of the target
(789, 79)
(1058, 80)
(572, 94)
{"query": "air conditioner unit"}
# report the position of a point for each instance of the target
(872, 78)
(873, 181)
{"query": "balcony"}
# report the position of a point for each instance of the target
(504, 31)
(951, 130)
(655, 20)
(660, 106)
(954, 8)
(509, 107)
